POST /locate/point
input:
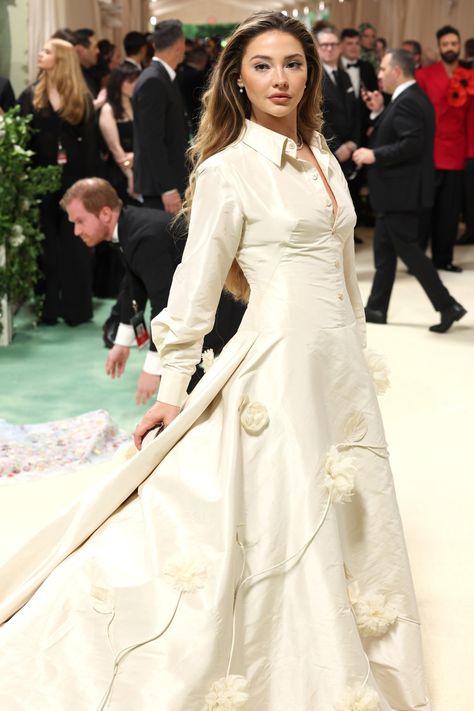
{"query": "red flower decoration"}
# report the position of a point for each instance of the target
(457, 94)
(465, 77)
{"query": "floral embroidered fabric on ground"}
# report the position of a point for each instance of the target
(48, 449)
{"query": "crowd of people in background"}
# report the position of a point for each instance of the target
(128, 115)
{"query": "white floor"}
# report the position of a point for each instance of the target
(429, 421)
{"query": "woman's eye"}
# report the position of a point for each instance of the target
(261, 67)
(295, 65)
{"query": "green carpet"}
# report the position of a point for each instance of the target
(52, 372)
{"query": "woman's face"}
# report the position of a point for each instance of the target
(273, 74)
(128, 87)
(115, 59)
(47, 57)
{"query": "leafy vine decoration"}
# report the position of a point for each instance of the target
(21, 185)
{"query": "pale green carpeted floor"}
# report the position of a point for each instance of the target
(52, 372)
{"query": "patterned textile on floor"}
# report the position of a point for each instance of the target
(51, 448)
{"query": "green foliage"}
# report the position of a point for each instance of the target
(21, 184)
(221, 30)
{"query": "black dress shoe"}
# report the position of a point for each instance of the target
(375, 316)
(448, 317)
(451, 268)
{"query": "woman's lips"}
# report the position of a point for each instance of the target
(279, 98)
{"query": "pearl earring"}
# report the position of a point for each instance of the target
(241, 89)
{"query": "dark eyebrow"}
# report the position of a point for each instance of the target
(263, 56)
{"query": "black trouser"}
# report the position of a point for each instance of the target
(66, 264)
(468, 208)
(441, 223)
(396, 235)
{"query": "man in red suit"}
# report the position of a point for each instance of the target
(468, 207)
(450, 147)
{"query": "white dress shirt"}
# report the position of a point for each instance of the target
(253, 201)
(136, 64)
(170, 70)
(400, 88)
(354, 74)
(330, 71)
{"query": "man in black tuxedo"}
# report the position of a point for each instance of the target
(362, 74)
(7, 97)
(151, 256)
(88, 53)
(135, 47)
(160, 130)
(401, 184)
(341, 125)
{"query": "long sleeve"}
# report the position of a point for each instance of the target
(214, 235)
(352, 286)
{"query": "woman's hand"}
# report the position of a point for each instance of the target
(126, 161)
(159, 414)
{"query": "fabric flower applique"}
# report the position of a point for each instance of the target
(227, 694)
(339, 479)
(103, 599)
(185, 573)
(208, 359)
(373, 612)
(358, 698)
(356, 427)
(253, 416)
(379, 370)
(461, 87)
(457, 95)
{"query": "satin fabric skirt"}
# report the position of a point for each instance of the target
(236, 559)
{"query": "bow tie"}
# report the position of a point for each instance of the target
(353, 64)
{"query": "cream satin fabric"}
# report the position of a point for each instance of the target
(238, 505)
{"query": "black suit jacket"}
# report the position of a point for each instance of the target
(340, 112)
(160, 133)
(402, 178)
(151, 256)
(192, 82)
(7, 97)
(369, 81)
(150, 260)
(368, 76)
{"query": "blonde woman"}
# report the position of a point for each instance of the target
(262, 564)
(65, 134)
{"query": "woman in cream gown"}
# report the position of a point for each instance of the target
(261, 565)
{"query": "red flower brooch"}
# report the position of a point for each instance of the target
(461, 87)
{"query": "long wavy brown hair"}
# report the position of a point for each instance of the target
(67, 77)
(225, 108)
